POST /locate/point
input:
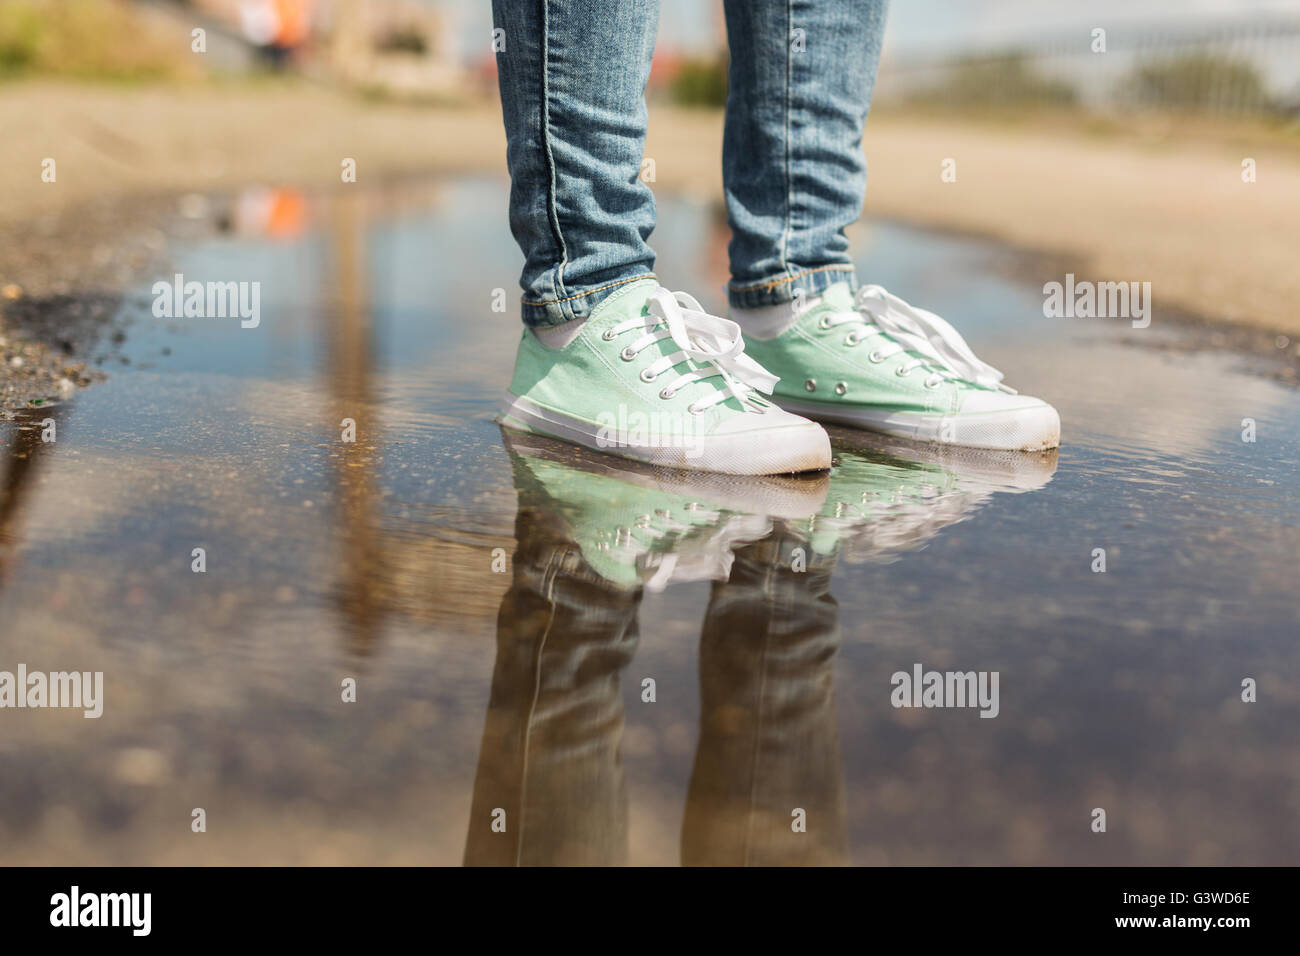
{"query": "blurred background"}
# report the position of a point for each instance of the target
(1114, 133)
(1232, 57)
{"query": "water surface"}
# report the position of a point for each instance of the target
(501, 602)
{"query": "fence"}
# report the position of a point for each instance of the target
(1235, 69)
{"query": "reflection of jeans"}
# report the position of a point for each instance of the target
(550, 755)
(769, 742)
(572, 75)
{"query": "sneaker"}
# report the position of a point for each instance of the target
(873, 361)
(641, 526)
(650, 375)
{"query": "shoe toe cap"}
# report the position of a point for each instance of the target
(977, 401)
(1007, 421)
(773, 442)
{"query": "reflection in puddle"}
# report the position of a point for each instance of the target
(501, 600)
(28, 436)
(767, 785)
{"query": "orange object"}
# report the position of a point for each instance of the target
(287, 214)
(293, 17)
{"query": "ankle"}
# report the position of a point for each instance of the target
(770, 321)
(559, 336)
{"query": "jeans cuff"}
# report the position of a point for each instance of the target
(784, 288)
(576, 305)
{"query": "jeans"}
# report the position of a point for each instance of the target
(572, 75)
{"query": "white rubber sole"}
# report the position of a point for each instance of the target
(778, 450)
(1032, 428)
(791, 497)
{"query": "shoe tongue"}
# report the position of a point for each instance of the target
(843, 298)
(624, 302)
(629, 301)
(839, 297)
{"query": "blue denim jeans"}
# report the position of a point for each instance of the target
(572, 75)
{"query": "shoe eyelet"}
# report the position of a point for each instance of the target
(810, 384)
(932, 385)
(841, 388)
(608, 335)
(902, 371)
(666, 393)
(851, 340)
(693, 410)
(875, 358)
(647, 375)
(825, 322)
(627, 354)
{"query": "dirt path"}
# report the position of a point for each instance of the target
(1177, 214)
(1174, 214)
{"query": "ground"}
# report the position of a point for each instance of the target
(1157, 201)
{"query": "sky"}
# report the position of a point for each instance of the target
(941, 25)
(935, 26)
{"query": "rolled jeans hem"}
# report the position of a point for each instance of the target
(576, 305)
(785, 287)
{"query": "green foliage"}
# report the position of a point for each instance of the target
(21, 28)
(1198, 81)
(1003, 80)
(403, 40)
(701, 82)
(86, 39)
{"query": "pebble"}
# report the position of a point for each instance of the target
(141, 766)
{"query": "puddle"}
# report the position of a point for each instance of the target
(523, 689)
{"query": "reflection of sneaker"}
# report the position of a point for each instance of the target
(887, 496)
(878, 363)
(641, 525)
(651, 376)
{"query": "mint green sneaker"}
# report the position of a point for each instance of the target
(651, 376)
(878, 363)
(637, 525)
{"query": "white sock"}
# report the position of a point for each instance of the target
(558, 336)
(769, 321)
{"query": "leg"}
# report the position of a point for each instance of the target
(572, 77)
(802, 73)
(801, 77)
(611, 360)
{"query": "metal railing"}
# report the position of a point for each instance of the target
(1234, 69)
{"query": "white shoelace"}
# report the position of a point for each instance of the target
(932, 341)
(711, 345)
